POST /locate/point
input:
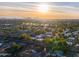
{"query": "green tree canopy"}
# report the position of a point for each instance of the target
(25, 37)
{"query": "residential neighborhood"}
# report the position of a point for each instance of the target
(36, 39)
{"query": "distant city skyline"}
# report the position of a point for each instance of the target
(42, 10)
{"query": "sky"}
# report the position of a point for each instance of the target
(42, 10)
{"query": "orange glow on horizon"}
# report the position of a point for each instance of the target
(49, 15)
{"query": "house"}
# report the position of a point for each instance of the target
(71, 39)
(69, 43)
(49, 34)
(40, 37)
(67, 34)
(1, 44)
(3, 54)
(75, 33)
(57, 53)
(1, 34)
(77, 45)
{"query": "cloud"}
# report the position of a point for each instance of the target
(57, 10)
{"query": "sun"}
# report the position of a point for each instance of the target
(43, 8)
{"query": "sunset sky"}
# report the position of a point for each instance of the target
(49, 10)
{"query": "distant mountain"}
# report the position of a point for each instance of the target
(18, 18)
(10, 17)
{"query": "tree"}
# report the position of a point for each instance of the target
(39, 32)
(47, 40)
(25, 37)
(57, 44)
(14, 49)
